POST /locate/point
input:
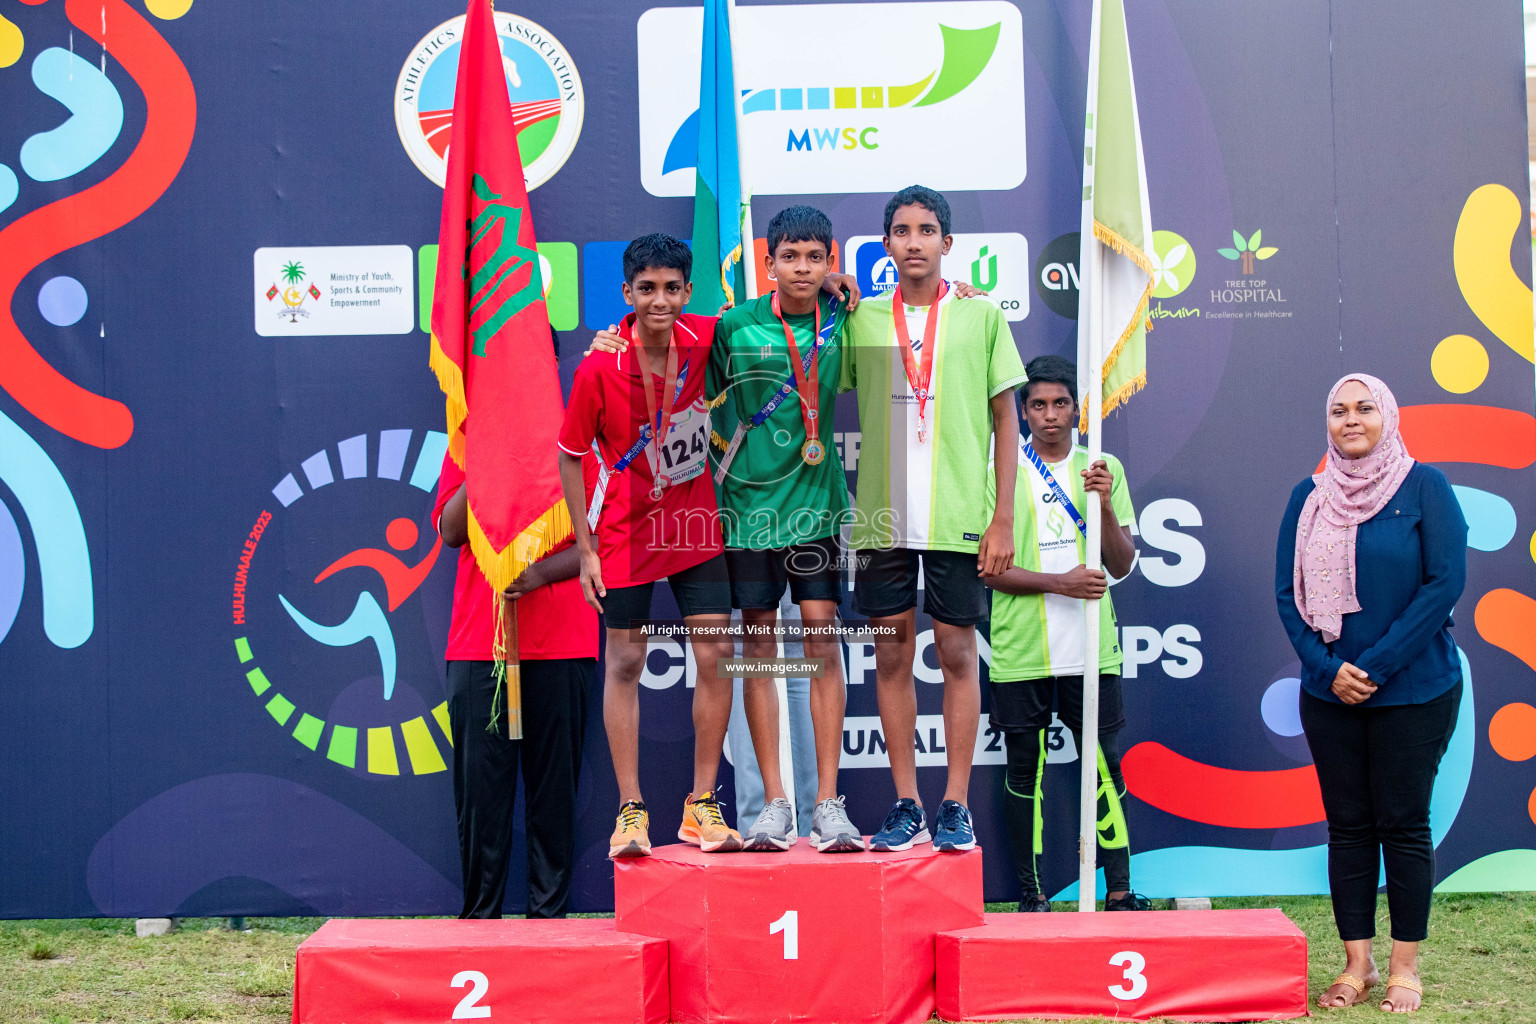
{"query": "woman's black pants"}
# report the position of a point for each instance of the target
(1377, 767)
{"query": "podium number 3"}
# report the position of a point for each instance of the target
(469, 1007)
(1136, 982)
(789, 924)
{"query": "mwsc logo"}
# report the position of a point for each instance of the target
(547, 101)
(821, 112)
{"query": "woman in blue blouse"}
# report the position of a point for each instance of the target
(1371, 560)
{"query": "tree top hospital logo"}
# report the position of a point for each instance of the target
(547, 99)
(329, 626)
(821, 110)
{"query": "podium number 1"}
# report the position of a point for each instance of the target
(1136, 982)
(789, 924)
(469, 1007)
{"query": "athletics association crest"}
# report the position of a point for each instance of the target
(542, 82)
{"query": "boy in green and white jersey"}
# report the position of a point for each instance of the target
(935, 379)
(1038, 630)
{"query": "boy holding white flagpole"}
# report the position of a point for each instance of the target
(1115, 285)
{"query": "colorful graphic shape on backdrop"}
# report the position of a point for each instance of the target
(368, 746)
(170, 118)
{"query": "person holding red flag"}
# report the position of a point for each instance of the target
(500, 497)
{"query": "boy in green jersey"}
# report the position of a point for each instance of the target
(935, 379)
(774, 373)
(1037, 626)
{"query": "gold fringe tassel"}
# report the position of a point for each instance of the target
(1126, 390)
(718, 441)
(717, 401)
(1116, 241)
(1137, 383)
(734, 256)
(538, 538)
(451, 379)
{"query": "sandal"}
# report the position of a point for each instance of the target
(1402, 981)
(1360, 985)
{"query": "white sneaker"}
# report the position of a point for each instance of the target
(831, 831)
(774, 829)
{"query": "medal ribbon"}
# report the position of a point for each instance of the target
(1061, 496)
(824, 332)
(670, 389)
(645, 434)
(804, 372)
(918, 377)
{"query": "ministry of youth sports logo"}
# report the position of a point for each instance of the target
(547, 100)
(329, 626)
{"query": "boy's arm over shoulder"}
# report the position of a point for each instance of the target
(1005, 370)
(847, 378)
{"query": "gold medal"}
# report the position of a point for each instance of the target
(813, 452)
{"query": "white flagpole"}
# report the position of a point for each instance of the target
(748, 255)
(1090, 352)
(749, 276)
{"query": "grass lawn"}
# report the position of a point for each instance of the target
(1477, 965)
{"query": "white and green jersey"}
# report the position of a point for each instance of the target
(915, 494)
(1039, 635)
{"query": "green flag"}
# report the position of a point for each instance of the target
(720, 250)
(1113, 267)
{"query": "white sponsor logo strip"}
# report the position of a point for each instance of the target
(829, 109)
(333, 290)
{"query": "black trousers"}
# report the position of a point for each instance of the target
(485, 780)
(1377, 768)
(1022, 711)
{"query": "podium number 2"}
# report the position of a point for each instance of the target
(1136, 982)
(469, 1007)
(789, 924)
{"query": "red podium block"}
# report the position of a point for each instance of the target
(763, 938)
(404, 972)
(1206, 965)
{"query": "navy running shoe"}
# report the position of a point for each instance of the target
(904, 828)
(954, 832)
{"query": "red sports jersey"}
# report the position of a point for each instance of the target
(552, 622)
(640, 538)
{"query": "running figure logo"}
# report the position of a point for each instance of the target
(368, 621)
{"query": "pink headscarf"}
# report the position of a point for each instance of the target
(1348, 492)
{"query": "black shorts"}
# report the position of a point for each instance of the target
(886, 584)
(813, 571)
(702, 589)
(1025, 706)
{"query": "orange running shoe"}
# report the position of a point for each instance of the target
(631, 836)
(704, 826)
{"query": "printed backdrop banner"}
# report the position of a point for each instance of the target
(222, 603)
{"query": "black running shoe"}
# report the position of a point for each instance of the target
(1130, 901)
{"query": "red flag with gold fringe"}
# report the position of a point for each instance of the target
(490, 337)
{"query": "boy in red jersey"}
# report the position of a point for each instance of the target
(653, 516)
